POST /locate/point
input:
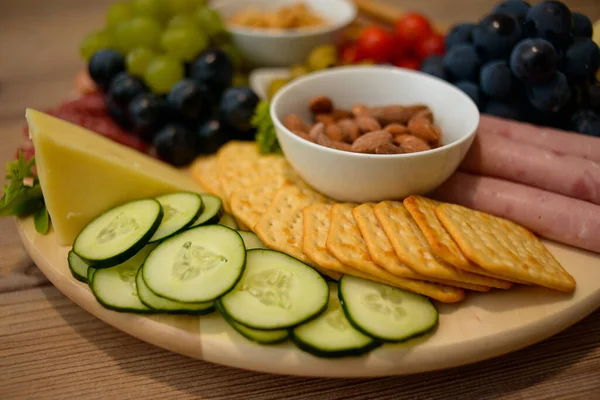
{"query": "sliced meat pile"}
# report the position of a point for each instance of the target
(544, 179)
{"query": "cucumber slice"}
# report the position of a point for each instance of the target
(254, 335)
(115, 287)
(90, 275)
(228, 221)
(330, 334)
(198, 265)
(276, 291)
(119, 233)
(180, 210)
(385, 312)
(78, 267)
(169, 306)
(251, 241)
(212, 210)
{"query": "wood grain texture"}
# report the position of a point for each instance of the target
(50, 348)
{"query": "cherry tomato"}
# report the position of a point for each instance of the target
(348, 53)
(408, 62)
(432, 45)
(412, 28)
(375, 43)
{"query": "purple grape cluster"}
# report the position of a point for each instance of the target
(535, 64)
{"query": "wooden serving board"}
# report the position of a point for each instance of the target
(483, 326)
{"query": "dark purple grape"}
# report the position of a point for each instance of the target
(582, 26)
(148, 113)
(496, 80)
(593, 96)
(495, 36)
(533, 60)
(473, 91)
(191, 101)
(581, 60)
(237, 107)
(517, 9)
(586, 122)
(104, 66)
(552, 95)
(210, 137)
(214, 69)
(460, 34)
(462, 63)
(503, 109)
(122, 90)
(176, 145)
(434, 65)
(550, 20)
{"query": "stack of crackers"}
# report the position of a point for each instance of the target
(435, 249)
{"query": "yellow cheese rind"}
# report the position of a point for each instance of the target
(82, 174)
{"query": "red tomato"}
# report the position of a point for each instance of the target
(412, 28)
(348, 53)
(375, 43)
(430, 46)
(408, 62)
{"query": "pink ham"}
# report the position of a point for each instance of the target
(497, 156)
(561, 142)
(563, 219)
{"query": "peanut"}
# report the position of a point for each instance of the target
(334, 132)
(294, 123)
(350, 129)
(367, 124)
(413, 144)
(324, 118)
(321, 105)
(369, 142)
(424, 129)
(396, 129)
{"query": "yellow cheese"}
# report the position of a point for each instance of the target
(83, 174)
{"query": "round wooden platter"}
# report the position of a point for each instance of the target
(483, 326)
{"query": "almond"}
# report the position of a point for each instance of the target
(334, 132)
(396, 129)
(424, 114)
(325, 118)
(321, 105)
(369, 142)
(424, 129)
(388, 148)
(350, 129)
(294, 123)
(317, 135)
(303, 135)
(401, 138)
(413, 144)
(339, 114)
(395, 113)
(367, 124)
(343, 146)
(360, 109)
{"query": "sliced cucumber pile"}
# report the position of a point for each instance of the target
(180, 254)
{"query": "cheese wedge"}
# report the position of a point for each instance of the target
(82, 174)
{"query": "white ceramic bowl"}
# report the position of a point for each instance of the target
(356, 177)
(283, 48)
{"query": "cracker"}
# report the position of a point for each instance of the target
(205, 171)
(349, 254)
(442, 245)
(413, 250)
(503, 247)
(246, 173)
(248, 205)
(281, 227)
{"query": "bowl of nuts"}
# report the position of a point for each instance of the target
(362, 134)
(284, 32)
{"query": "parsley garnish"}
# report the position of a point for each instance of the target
(266, 138)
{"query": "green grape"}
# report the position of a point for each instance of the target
(183, 6)
(137, 32)
(210, 21)
(138, 59)
(117, 13)
(93, 42)
(183, 21)
(156, 9)
(183, 43)
(162, 73)
(235, 55)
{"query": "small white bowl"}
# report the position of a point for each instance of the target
(356, 177)
(277, 48)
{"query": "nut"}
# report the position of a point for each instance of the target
(360, 109)
(294, 123)
(413, 144)
(339, 114)
(401, 138)
(424, 114)
(396, 129)
(369, 142)
(343, 146)
(321, 105)
(424, 129)
(395, 113)
(317, 135)
(367, 124)
(303, 135)
(388, 148)
(334, 132)
(325, 118)
(350, 129)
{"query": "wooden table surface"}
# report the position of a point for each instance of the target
(50, 348)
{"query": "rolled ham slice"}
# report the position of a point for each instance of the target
(498, 156)
(563, 219)
(561, 142)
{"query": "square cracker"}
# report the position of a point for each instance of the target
(205, 171)
(442, 245)
(248, 205)
(326, 230)
(281, 227)
(503, 247)
(413, 250)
